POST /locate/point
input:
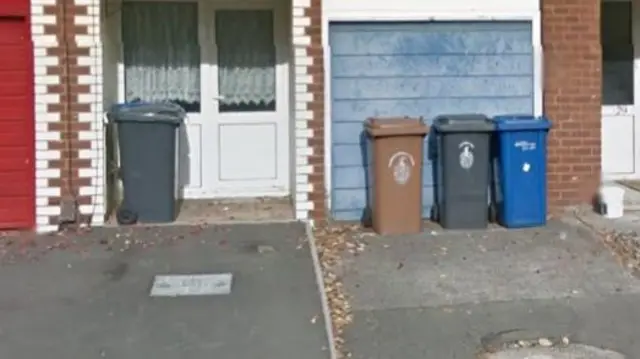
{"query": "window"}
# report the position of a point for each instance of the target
(161, 52)
(617, 53)
(246, 60)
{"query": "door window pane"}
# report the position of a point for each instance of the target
(246, 60)
(617, 53)
(161, 52)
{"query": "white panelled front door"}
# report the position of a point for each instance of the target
(239, 144)
(619, 138)
(620, 117)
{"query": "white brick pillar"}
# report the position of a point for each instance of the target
(47, 137)
(68, 110)
(92, 157)
(309, 109)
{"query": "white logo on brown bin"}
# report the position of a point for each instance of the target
(466, 154)
(401, 164)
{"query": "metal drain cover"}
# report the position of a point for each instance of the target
(191, 285)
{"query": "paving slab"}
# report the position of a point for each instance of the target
(438, 294)
(91, 299)
(455, 267)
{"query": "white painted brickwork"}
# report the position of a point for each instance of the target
(44, 154)
(96, 154)
(44, 151)
(302, 98)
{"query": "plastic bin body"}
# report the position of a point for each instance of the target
(147, 144)
(462, 171)
(395, 177)
(522, 170)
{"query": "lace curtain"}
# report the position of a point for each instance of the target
(246, 60)
(161, 52)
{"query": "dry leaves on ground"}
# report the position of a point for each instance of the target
(18, 246)
(332, 243)
(626, 247)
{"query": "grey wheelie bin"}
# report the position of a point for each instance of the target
(462, 171)
(147, 138)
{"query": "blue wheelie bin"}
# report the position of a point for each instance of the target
(521, 195)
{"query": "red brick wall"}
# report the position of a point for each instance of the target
(572, 98)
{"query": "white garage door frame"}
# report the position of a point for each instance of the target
(370, 16)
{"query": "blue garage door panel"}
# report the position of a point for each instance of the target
(418, 69)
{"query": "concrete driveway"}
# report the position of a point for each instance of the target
(87, 296)
(445, 294)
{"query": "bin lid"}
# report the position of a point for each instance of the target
(162, 112)
(521, 123)
(463, 123)
(395, 126)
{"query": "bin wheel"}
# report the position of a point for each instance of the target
(493, 213)
(126, 217)
(435, 215)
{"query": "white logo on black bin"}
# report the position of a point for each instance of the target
(466, 154)
(401, 163)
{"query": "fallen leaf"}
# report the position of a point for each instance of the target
(332, 243)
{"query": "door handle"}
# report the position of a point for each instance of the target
(218, 98)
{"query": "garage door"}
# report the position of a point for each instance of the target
(17, 186)
(418, 69)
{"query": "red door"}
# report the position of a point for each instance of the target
(17, 129)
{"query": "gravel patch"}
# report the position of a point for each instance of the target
(20, 247)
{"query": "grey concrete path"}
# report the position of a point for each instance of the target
(91, 299)
(439, 294)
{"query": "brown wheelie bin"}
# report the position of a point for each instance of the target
(395, 174)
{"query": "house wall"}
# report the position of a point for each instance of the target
(70, 148)
(572, 98)
(567, 44)
(68, 111)
(69, 164)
